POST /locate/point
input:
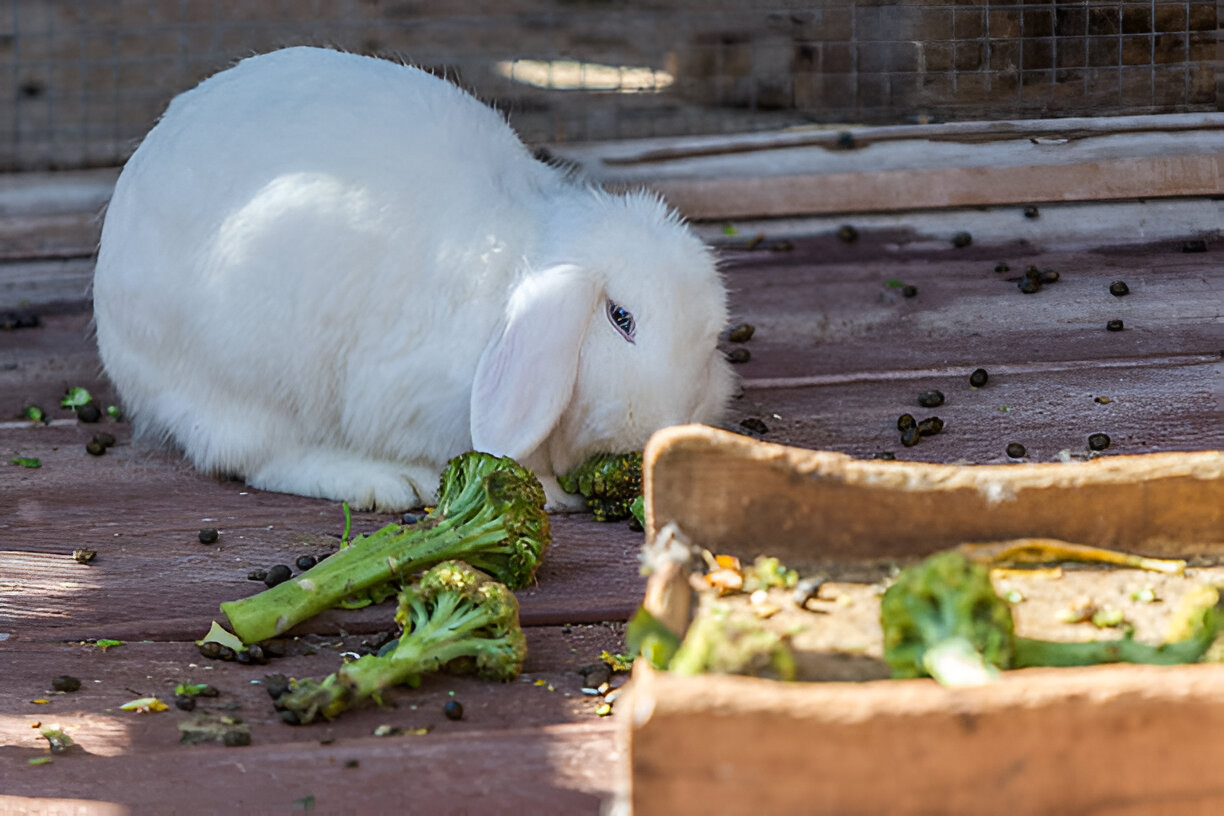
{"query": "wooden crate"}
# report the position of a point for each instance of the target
(1107, 739)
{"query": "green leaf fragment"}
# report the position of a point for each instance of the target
(219, 634)
(646, 635)
(26, 461)
(75, 398)
(106, 643)
(57, 739)
(42, 760)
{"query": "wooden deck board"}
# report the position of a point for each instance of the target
(837, 355)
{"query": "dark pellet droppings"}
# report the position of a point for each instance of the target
(847, 234)
(453, 710)
(208, 691)
(910, 437)
(257, 654)
(210, 649)
(88, 413)
(807, 589)
(411, 518)
(257, 575)
(739, 355)
(962, 239)
(595, 675)
(1016, 451)
(1032, 273)
(1098, 442)
(273, 648)
(305, 562)
(1119, 288)
(277, 685)
(243, 656)
(1114, 325)
(278, 575)
(1031, 211)
(742, 333)
(1198, 245)
(1102, 400)
(95, 448)
(106, 439)
(209, 535)
(887, 456)
(909, 290)
(634, 524)
(906, 421)
(235, 738)
(184, 703)
(1049, 276)
(1029, 286)
(930, 426)
(226, 653)
(978, 378)
(931, 399)
(1002, 267)
(755, 425)
(845, 140)
(289, 718)
(65, 682)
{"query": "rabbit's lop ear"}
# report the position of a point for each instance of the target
(526, 374)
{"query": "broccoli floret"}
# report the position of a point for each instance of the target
(490, 513)
(943, 618)
(454, 618)
(610, 482)
(723, 640)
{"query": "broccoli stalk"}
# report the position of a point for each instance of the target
(490, 513)
(454, 618)
(610, 483)
(942, 618)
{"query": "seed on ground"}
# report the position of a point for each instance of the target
(1098, 441)
(1119, 288)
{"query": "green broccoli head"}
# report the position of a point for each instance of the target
(943, 618)
(498, 506)
(458, 601)
(610, 482)
(454, 618)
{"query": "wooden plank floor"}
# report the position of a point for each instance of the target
(838, 354)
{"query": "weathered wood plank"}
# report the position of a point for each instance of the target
(142, 512)
(833, 308)
(539, 747)
(799, 173)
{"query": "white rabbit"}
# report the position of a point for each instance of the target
(327, 274)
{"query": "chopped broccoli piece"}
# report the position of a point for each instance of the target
(490, 514)
(942, 618)
(610, 483)
(723, 640)
(454, 618)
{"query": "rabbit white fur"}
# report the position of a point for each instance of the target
(328, 274)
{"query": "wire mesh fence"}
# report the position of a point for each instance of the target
(87, 78)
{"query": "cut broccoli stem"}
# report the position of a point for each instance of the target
(454, 617)
(490, 514)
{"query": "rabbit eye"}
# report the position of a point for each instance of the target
(622, 319)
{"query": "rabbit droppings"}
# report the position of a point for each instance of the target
(327, 274)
